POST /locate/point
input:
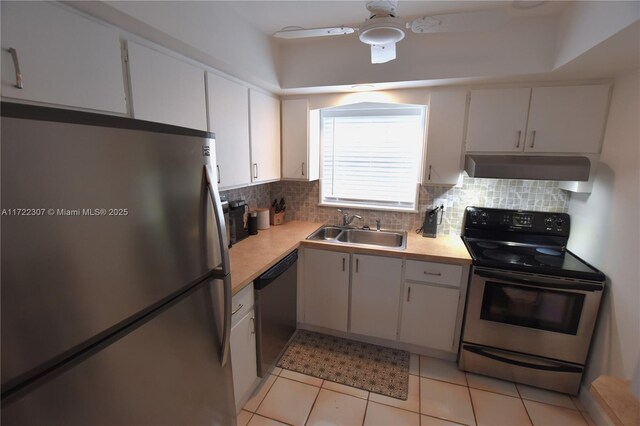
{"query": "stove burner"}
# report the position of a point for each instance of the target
(553, 261)
(487, 245)
(503, 256)
(549, 252)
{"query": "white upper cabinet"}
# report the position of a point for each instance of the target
(165, 89)
(445, 134)
(264, 119)
(567, 119)
(300, 141)
(229, 119)
(65, 59)
(497, 120)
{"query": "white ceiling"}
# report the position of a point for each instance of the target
(272, 16)
(553, 41)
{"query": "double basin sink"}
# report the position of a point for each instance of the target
(360, 237)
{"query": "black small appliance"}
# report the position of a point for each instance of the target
(238, 211)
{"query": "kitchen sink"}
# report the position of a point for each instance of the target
(325, 233)
(360, 237)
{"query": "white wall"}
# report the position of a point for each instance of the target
(585, 24)
(605, 232)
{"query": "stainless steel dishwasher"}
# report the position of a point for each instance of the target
(276, 301)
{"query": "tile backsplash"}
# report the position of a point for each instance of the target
(302, 201)
(255, 196)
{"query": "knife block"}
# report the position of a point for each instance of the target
(276, 218)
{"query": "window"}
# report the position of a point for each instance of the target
(372, 156)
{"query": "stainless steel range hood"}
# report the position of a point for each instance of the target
(534, 167)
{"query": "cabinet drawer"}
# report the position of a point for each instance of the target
(437, 273)
(244, 298)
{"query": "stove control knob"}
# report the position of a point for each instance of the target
(474, 215)
(484, 217)
(549, 221)
(559, 222)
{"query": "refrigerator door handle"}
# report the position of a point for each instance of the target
(224, 254)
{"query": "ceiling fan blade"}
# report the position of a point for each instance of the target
(459, 22)
(383, 53)
(313, 32)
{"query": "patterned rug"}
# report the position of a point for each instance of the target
(360, 365)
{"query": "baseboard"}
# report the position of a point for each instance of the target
(597, 414)
(420, 350)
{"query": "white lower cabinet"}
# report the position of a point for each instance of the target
(370, 296)
(375, 295)
(429, 315)
(326, 289)
(243, 346)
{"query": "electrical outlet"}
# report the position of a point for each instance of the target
(441, 202)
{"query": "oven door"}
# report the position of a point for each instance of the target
(539, 315)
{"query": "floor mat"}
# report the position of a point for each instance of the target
(362, 365)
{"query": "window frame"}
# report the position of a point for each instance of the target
(360, 109)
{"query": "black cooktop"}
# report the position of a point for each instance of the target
(546, 260)
(525, 241)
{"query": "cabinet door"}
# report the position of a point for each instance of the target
(326, 289)
(375, 296)
(64, 58)
(265, 137)
(497, 120)
(567, 119)
(165, 89)
(429, 316)
(229, 120)
(445, 138)
(300, 141)
(243, 357)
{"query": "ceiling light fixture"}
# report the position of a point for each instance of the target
(382, 31)
(363, 86)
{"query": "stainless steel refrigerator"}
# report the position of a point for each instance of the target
(115, 273)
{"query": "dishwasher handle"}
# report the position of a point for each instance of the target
(278, 269)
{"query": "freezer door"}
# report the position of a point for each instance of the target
(166, 372)
(75, 270)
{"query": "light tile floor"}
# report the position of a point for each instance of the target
(439, 395)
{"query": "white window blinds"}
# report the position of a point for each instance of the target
(371, 156)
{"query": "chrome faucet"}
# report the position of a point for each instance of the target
(346, 219)
(377, 224)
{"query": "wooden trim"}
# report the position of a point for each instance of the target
(616, 399)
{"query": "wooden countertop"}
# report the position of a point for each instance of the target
(443, 249)
(256, 254)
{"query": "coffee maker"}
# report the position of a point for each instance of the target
(238, 216)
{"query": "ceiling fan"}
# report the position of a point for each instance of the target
(384, 29)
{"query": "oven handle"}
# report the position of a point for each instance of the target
(557, 368)
(554, 285)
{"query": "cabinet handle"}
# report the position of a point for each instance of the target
(408, 294)
(343, 264)
(16, 65)
(255, 170)
(429, 177)
(235, 311)
(518, 138)
(218, 170)
(437, 274)
(357, 262)
(533, 138)
(303, 168)
(253, 326)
